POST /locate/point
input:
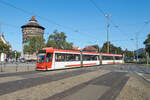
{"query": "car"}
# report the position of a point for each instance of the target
(22, 60)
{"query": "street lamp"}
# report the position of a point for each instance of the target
(137, 46)
(108, 25)
(15, 55)
(133, 49)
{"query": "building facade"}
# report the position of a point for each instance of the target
(3, 56)
(29, 30)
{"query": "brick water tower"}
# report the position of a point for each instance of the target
(29, 30)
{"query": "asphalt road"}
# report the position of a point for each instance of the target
(106, 82)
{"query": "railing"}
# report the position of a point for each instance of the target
(17, 66)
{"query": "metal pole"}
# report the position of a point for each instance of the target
(133, 54)
(108, 24)
(107, 34)
(16, 61)
(4, 66)
(16, 67)
(81, 58)
(28, 66)
(137, 46)
(1, 67)
(147, 57)
(22, 53)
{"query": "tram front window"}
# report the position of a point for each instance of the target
(41, 57)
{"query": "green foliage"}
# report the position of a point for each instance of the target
(128, 54)
(147, 43)
(112, 49)
(27, 49)
(36, 43)
(97, 48)
(143, 61)
(142, 55)
(4, 48)
(58, 41)
(15, 54)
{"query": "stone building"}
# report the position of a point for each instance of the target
(28, 30)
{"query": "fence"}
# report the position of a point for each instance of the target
(16, 67)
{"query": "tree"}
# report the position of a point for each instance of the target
(36, 43)
(4, 48)
(112, 49)
(147, 43)
(128, 54)
(142, 55)
(15, 54)
(58, 40)
(97, 47)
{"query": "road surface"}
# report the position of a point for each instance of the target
(106, 82)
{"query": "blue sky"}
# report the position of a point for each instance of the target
(88, 25)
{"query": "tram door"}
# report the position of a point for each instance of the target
(48, 62)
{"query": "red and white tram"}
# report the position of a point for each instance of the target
(111, 58)
(50, 59)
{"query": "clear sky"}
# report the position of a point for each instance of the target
(88, 25)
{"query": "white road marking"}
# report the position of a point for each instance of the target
(140, 74)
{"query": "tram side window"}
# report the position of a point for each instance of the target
(66, 57)
(77, 57)
(72, 57)
(85, 57)
(118, 58)
(94, 57)
(59, 57)
(90, 57)
(107, 57)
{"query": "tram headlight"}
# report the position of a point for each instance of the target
(42, 66)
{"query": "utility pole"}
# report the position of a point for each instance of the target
(22, 53)
(136, 46)
(108, 25)
(15, 56)
(147, 55)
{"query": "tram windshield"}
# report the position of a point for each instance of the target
(41, 57)
(48, 57)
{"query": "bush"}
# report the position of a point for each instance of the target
(143, 61)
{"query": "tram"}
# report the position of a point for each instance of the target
(51, 59)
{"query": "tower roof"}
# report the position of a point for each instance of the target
(33, 23)
(33, 19)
